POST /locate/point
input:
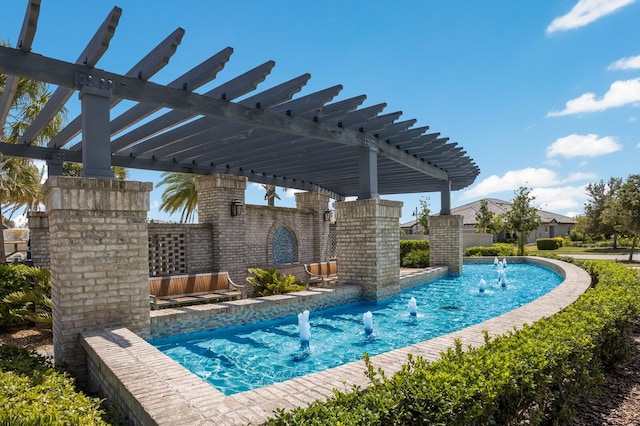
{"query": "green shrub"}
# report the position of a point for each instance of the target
(407, 246)
(497, 249)
(268, 283)
(549, 243)
(32, 304)
(416, 259)
(534, 375)
(25, 294)
(33, 393)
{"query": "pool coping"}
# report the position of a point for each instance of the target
(156, 390)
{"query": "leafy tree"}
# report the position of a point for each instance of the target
(601, 220)
(179, 195)
(484, 217)
(522, 218)
(423, 214)
(75, 169)
(628, 205)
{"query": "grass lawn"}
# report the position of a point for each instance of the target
(568, 251)
(531, 249)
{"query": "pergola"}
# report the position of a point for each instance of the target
(308, 142)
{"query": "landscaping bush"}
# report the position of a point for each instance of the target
(416, 259)
(497, 249)
(25, 294)
(534, 375)
(33, 393)
(549, 243)
(407, 246)
(268, 283)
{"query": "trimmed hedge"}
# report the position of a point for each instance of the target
(533, 375)
(416, 259)
(33, 393)
(407, 246)
(497, 249)
(549, 243)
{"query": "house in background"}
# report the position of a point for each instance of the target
(553, 224)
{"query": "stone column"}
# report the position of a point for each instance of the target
(215, 195)
(445, 242)
(99, 261)
(369, 246)
(39, 239)
(318, 204)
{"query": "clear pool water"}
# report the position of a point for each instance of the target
(241, 358)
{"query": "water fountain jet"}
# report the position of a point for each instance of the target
(367, 319)
(482, 286)
(413, 307)
(304, 328)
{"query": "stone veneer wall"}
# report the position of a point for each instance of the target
(215, 194)
(368, 235)
(186, 247)
(315, 204)
(39, 236)
(445, 242)
(99, 268)
(261, 224)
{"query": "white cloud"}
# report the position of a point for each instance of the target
(291, 192)
(530, 177)
(553, 162)
(628, 63)
(577, 176)
(620, 93)
(586, 12)
(155, 204)
(511, 180)
(638, 146)
(583, 146)
(560, 199)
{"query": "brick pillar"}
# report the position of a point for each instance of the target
(445, 242)
(99, 261)
(369, 246)
(215, 194)
(39, 238)
(317, 203)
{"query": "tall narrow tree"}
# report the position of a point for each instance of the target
(629, 208)
(523, 218)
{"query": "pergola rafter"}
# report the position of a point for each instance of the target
(269, 137)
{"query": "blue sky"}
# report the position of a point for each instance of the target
(540, 94)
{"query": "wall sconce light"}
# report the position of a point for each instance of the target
(236, 207)
(327, 215)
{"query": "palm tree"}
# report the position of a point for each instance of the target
(19, 177)
(179, 195)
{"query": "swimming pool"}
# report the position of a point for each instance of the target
(241, 358)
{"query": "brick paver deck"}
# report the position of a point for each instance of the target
(163, 392)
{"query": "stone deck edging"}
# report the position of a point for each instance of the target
(129, 371)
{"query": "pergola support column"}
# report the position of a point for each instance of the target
(368, 172)
(99, 248)
(96, 132)
(369, 246)
(216, 193)
(445, 198)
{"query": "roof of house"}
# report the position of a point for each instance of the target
(496, 206)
